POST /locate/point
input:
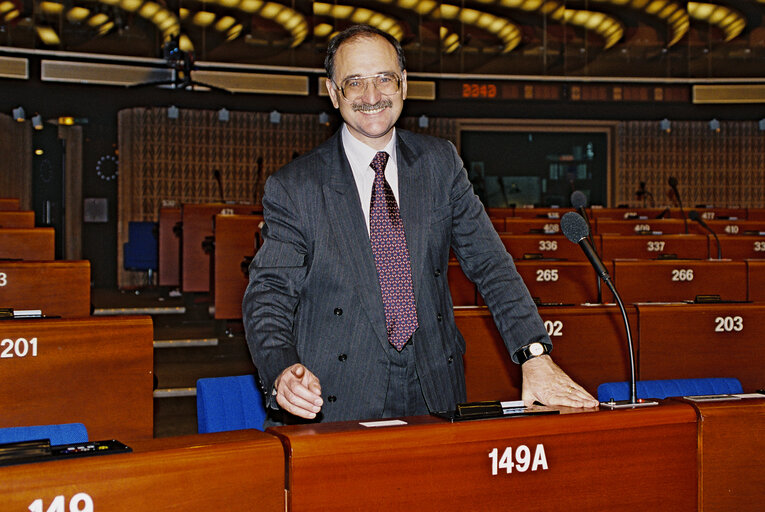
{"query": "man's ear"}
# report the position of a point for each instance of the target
(403, 85)
(332, 92)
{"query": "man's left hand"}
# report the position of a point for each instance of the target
(546, 383)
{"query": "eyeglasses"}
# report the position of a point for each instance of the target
(353, 87)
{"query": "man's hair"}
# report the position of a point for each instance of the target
(355, 32)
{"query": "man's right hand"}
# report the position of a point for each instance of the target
(298, 392)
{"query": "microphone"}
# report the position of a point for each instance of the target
(579, 201)
(575, 229)
(673, 186)
(694, 215)
(216, 174)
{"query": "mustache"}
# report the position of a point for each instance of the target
(365, 107)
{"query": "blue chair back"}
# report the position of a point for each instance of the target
(229, 403)
(141, 252)
(668, 388)
(65, 433)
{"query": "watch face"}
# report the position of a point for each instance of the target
(536, 349)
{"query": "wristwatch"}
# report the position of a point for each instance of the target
(531, 351)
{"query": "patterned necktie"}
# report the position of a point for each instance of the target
(386, 232)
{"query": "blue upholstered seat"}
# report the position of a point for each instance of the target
(66, 433)
(141, 252)
(668, 388)
(229, 403)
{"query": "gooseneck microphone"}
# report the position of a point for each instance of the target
(575, 228)
(579, 201)
(694, 215)
(673, 185)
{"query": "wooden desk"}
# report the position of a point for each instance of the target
(727, 227)
(236, 238)
(678, 280)
(756, 280)
(523, 226)
(27, 243)
(731, 454)
(539, 213)
(97, 371)
(635, 460)
(739, 247)
(650, 247)
(169, 271)
(607, 226)
(241, 470)
(463, 290)
(634, 213)
(589, 343)
(681, 341)
(546, 246)
(57, 288)
(17, 219)
(197, 224)
(755, 213)
(568, 282)
(9, 203)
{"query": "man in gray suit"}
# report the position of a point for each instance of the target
(325, 338)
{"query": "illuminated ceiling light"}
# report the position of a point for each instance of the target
(322, 30)
(344, 12)
(149, 9)
(37, 122)
(106, 27)
(469, 16)
(271, 10)
(229, 3)
(39, 152)
(51, 7)
(731, 22)
(98, 19)
(185, 44)
(19, 114)
(66, 120)
(47, 35)
(250, 6)
(425, 7)
(665, 125)
(225, 23)
(234, 32)
(183, 13)
(361, 15)
(77, 14)
(131, 5)
(407, 4)
(6, 6)
(110, 2)
(447, 11)
(11, 15)
(203, 18)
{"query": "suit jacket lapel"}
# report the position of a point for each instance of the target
(415, 199)
(346, 220)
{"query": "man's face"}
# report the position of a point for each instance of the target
(370, 115)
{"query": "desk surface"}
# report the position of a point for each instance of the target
(595, 459)
(241, 470)
(57, 288)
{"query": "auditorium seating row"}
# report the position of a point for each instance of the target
(521, 226)
(596, 212)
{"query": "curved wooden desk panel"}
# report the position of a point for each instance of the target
(17, 219)
(756, 277)
(649, 247)
(605, 226)
(9, 203)
(198, 224)
(731, 454)
(564, 282)
(57, 288)
(27, 243)
(678, 280)
(642, 459)
(235, 239)
(241, 470)
(96, 371)
(740, 247)
(589, 343)
(524, 226)
(169, 247)
(543, 246)
(688, 341)
(462, 289)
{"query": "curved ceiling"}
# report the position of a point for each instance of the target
(654, 38)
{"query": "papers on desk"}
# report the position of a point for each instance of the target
(382, 423)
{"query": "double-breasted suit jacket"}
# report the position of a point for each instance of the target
(314, 296)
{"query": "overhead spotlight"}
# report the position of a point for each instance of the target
(223, 115)
(275, 117)
(37, 122)
(172, 112)
(762, 124)
(422, 121)
(324, 119)
(19, 115)
(665, 125)
(39, 152)
(714, 125)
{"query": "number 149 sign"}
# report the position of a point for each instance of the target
(520, 459)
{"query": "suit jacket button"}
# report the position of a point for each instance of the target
(450, 360)
(437, 272)
(439, 317)
(331, 398)
(342, 357)
(338, 311)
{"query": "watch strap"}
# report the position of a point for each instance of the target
(523, 354)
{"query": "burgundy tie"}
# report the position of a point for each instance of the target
(386, 232)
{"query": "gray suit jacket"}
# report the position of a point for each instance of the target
(314, 296)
